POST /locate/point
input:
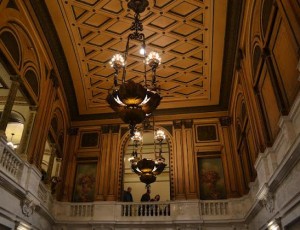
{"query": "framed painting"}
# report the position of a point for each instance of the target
(206, 133)
(89, 140)
(84, 183)
(211, 178)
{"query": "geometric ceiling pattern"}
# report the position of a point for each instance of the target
(181, 31)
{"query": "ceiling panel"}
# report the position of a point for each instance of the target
(189, 35)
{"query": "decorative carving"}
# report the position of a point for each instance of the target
(268, 202)
(33, 108)
(105, 129)
(188, 124)
(115, 128)
(266, 198)
(28, 207)
(177, 124)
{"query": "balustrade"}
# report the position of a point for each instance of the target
(82, 210)
(149, 209)
(10, 161)
(214, 208)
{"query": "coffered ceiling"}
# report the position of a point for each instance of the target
(190, 35)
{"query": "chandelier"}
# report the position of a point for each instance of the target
(147, 169)
(133, 101)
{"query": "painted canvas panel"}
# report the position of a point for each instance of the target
(85, 178)
(211, 179)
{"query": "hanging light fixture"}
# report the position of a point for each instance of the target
(133, 101)
(11, 144)
(147, 169)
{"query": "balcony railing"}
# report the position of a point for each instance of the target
(146, 209)
(276, 161)
(10, 162)
(19, 171)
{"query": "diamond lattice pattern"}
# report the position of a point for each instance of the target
(178, 30)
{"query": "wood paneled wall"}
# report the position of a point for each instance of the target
(265, 84)
(266, 78)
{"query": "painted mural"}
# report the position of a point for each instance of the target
(211, 177)
(84, 188)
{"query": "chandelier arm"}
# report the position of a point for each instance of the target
(116, 77)
(154, 77)
(123, 75)
(145, 64)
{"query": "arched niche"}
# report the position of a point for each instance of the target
(12, 45)
(162, 186)
(14, 129)
(265, 15)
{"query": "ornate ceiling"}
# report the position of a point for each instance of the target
(190, 36)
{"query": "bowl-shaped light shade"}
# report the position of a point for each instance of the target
(147, 169)
(133, 102)
(153, 102)
(147, 178)
(131, 93)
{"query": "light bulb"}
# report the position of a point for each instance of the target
(142, 51)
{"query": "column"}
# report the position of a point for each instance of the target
(58, 166)
(115, 164)
(189, 160)
(179, 179)
(16, 80)
(22, 149)
(51, 161)
(229, 163)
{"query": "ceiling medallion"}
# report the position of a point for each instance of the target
(133, 101)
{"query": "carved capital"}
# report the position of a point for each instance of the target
(177, 124)
(188, 124)
(105, 129)
(16, 79)
(115, 128)
(33, 108)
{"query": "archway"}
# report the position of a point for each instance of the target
(162, 184)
